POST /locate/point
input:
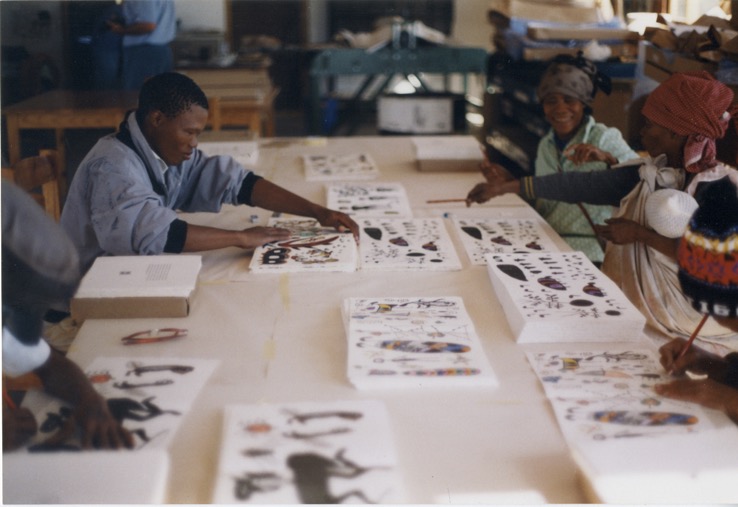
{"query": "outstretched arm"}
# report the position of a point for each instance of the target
(64, 379)
(269, 196)
(622, 231)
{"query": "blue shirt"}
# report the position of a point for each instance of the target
(113, 209)
(159, 12)
(567, 219)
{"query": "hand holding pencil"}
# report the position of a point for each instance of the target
(679, 356)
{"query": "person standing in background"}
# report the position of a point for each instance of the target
(148, 27)
(106, 50)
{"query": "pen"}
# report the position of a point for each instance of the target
(440, 201)
(691, 338)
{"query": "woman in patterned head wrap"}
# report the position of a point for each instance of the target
(685, 115)
(575, 142)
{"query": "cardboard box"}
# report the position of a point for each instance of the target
(447, 153)
(661, 63)
(137, 287)
(560, 11)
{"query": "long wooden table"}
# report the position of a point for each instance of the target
(280, 338)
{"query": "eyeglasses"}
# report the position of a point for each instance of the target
(153, 335)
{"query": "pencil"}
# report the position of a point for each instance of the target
(691, 338)
(8, 400)
(441, 201)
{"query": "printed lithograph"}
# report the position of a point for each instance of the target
(413, 342)
(411, 244)
(369, 200)
(308, 452)
(561, 297)
(150, 396)
(310, 247)
(482, 236)
(604, 395)
(355, 166)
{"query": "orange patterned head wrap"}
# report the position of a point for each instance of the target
(695, 105)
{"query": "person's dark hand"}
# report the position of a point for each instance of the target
(696, 360)
(257, 236)
(340, 221)
(707, 392)
(483, 192)
(18, 426)
(99, 429)
(620, 231)
(582, 153)
(494, 173)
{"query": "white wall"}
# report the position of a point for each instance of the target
(201, 14)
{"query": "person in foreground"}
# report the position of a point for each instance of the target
(684, 116)
(708, 273)
(574, 143)
(40, 266)
(125, 194)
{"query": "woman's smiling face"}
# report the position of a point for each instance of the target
(563, 113)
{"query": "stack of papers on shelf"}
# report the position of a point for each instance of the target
(632, 445)
(561, 297)
(448, 153)
(310, 247)
(415, 244)
(369, 199)
(355, 166)
(482, 236)
(137, 286)
(566, 31)
(307, 452)
(413, 342)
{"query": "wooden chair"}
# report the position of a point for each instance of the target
(41, 177)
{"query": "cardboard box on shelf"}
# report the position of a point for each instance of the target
(661, 63)
(559, 11)
(137, 287)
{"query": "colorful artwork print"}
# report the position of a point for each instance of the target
(149, 396)
(411, 244)
(413, 342)
(609, 395)
(325, 453)
(482, 236)
(561, 296)
(574, 373)
(310, 247)
(369, 200)
(355, 166)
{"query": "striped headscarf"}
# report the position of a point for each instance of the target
(708, 252)
(695, 105)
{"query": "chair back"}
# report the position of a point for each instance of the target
(40, 177)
